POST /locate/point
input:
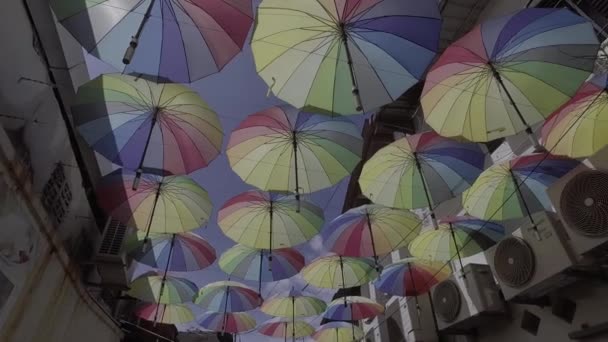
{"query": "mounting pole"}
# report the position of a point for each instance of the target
(426, 190)
(523, 200)
(162, 284)
(343, 281)
(271, 213)
(146, 239)
(457, 250)
(140, 168)
(371, 235)
(351, 68)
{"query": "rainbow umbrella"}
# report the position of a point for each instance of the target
(268, 221)
(372, 230)
(162, 289)
(165, 313)
(424, 163)
(227, 322)
(186, 252)
(283, 329)
(460, 236)
(338, 332)
(516, 188)
(178, 41)
(412, 277)
(578, 129)
(167, 205)
(144, 126)
(508, 74)
(356, 308)
(338, 272)
(228, 296)
(281, 149)
(253, 264)
(317, 54)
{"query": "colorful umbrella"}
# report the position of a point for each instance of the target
(516, 188)
(460, 236)
(508, 74)
(356, 308)
(280, 149)
(140, 125)
(338, 332)
(253, 264)
(267, 221)
(312, 53)
(229, 322)
(186, 252)
(372, 230)
(293, 305)
(283, 329)
(180, 41)
(335, 272)
(165, 313)
(412, 277)
(424, 163)
(163, 289)
(578, 129)
(228, 296)
(167, 205)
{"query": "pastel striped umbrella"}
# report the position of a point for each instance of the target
(227, 322)
(356, 308)
(268, 221)
(516, 188)
(163, 289)
(421, 170)
(186, 252)
(178, 41)
(459, 236)
(338, 332)
(167, 205)
(143, 126)
(371, 230)
(293, 305)
(508, 74)
(283, 329)
(318, 54)
(228, 296)
(281, 149)
(165, 313)
(578, 129)
(253, 264)
(338, 272)
(412, 277)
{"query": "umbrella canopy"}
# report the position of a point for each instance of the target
(163, 289)
(229, 322)
(253, 264)
(424, 163)
(461, 236)
(228, 296)
(281, 149)
(293, 305)
(338, 332)
(178, 41)
(186, 252)
(312, 53)
(578, 129)
(335, 272)
(284, 329)
(262, 220)
(372, 230)
(173, 204)
(516, 188)
(356, 308)
(163, 313)
(412, 277)
(141, 125)
(508, 74)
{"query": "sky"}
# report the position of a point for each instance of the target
(224, 92)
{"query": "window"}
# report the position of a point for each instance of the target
(57, 195)
(530, 322)
(564, 308)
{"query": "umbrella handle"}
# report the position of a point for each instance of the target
(130, 52)
(349, 58)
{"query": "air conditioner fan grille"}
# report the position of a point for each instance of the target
(446, 297)
(584, 203)
(514, 262)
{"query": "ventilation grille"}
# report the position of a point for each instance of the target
(514, 262)
(447, 301)
(584, 203)
(113, 238)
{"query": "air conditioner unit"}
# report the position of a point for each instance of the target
(581, 200)
(467, 300)
(531, 263)
(110, 259)
(416, 315)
